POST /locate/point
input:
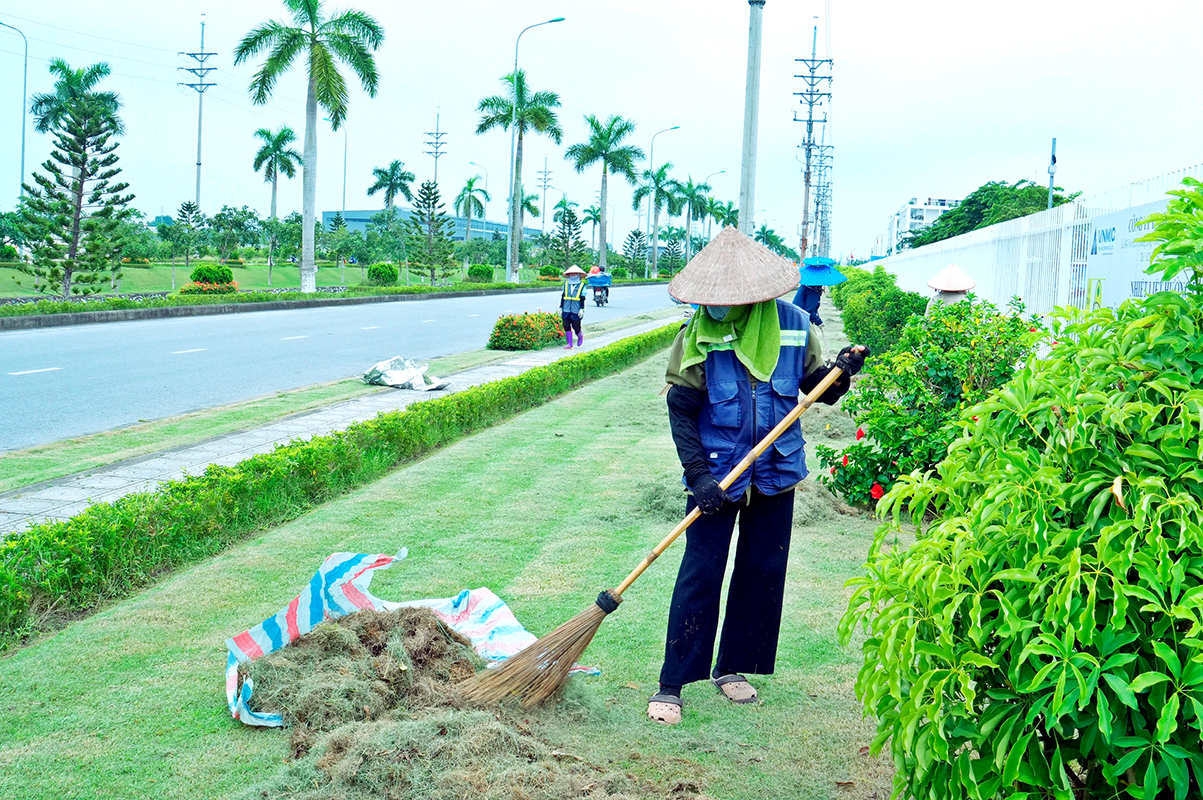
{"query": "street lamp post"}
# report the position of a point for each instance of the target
(24, 84)
(651, 168)
(706, 180)
(511, 256)
(344, 211)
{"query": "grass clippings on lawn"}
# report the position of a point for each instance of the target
(546, 510)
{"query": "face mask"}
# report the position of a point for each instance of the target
(575, 279)
(718, 313)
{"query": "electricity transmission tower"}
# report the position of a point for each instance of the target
(544, 184)
(822, 170)
(199, 72)
(816, 78)
(436, 145)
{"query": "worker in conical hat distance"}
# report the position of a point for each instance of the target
(952, 286)
(572, 305)
(734, 372)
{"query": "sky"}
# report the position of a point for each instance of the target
(930, 99)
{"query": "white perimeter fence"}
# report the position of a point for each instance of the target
(1052, 258)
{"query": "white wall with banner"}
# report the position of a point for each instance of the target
(1079, 254)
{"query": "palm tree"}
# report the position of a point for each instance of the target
(74, 86)
(559, 208)
(605, 145)
(349, 37)
(533, 112)
(275, 156)
(593, 215)
(714, 211)
(392, 180)
(663, 192)
(467, 203)
(694, 197)
(530, 205)
(769, 238)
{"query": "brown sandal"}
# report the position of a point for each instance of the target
(735, 687)
(664, 709)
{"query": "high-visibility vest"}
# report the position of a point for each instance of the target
(569, 294)
(736, 416)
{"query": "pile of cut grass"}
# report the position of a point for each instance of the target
(374, 713)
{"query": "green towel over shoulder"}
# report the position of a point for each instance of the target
(753, 332)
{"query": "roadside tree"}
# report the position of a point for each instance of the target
(663, 192)
(567, 248)
(635, 249)
(695, 198)
(231, 228)
(428, 233)
(989, 204)
(468, 203)
(393, 180)
(605, 147)
(350, 37)
(274, 157)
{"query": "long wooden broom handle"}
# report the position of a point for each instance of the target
(732, 476)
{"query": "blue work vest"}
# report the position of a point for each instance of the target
(737, 416)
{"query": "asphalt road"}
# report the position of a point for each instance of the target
(59, 383)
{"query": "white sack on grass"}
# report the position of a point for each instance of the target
(402, 373)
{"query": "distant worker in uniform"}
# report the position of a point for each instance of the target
(815, 273)
(951, 285)
(572, 305)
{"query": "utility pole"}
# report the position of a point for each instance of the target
(200, 72)
(1052, 170)
(822, 169)
(811, 96)
(544, 184)
(747, 175)
(436, 144)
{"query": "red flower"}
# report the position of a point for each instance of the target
(1033, 330)
(860, 434)
(876, 491)
(833, 470)
(845, 459)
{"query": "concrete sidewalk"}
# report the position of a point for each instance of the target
(62, 498)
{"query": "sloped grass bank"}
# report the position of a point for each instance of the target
(546, 510)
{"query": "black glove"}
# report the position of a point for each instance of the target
(707, 493)
(852, 359)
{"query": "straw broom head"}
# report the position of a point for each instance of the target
(540, 670)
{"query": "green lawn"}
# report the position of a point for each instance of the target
(129, 702)
(55, 460)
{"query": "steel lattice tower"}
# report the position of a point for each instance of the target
(817, 77)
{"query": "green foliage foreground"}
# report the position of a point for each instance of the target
(113, 548)
(1044, 637)
(875, 309)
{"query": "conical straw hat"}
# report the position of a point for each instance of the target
(574, 270)
(951, 279)
(733, 270)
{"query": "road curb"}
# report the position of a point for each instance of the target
(35, 321)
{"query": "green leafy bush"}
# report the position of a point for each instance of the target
(876, 310)
(908, 402)
(857, 280)
(526, 331)
(8, 252)
(480, 273)
(382, 275)
(549, 271)
(113, 548)
(209, 288)
(212, 273)
(1043, 638)
(618, 272)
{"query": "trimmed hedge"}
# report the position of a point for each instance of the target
(382, 275)
(212, 273)
(480, 273)
(112, 549)
(209, 288)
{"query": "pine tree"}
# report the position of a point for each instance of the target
(635, 248)
(72, 216)
(673, 256)
(567, 247)
(428, 234)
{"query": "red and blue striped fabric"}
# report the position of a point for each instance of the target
(340, 587)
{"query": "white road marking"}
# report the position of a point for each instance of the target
(370, 328)
(474, 315)
(430, 320)
(288, 338)
(181, 352)
(32, 371)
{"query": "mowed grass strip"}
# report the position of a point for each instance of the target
(547, 510)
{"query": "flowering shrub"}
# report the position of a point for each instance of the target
(874, 309)
(199, 287)
(1042, 638)
(908, 401)
(526, 331)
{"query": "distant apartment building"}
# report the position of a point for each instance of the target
(916, 215)
(358, 221)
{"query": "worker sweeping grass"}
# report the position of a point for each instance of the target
(735, 375)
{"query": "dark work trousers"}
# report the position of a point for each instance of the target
(572, 322)
(753, 619)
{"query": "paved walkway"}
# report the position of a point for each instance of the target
(64, 497)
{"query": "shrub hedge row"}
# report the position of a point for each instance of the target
(111, 549)
(526, 331)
